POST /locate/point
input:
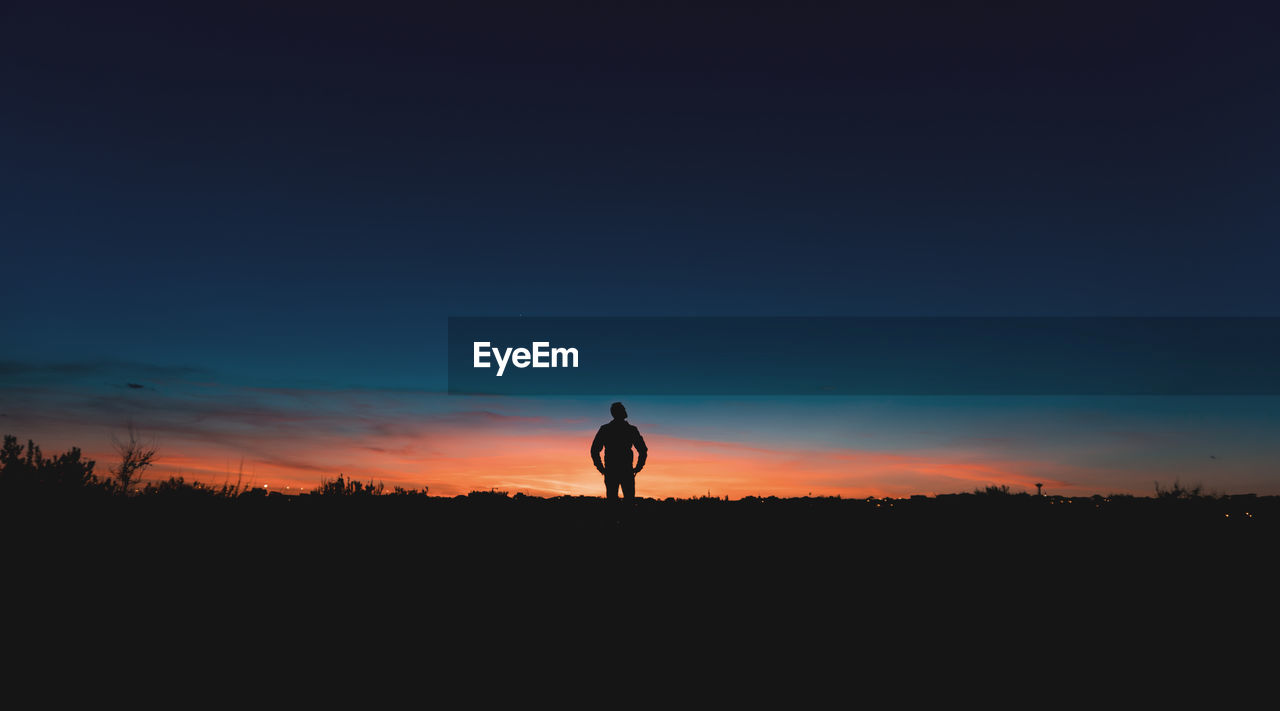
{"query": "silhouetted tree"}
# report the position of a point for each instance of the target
(18, 470)
(135, 458)
(28, 470)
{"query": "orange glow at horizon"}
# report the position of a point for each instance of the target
(458, 459)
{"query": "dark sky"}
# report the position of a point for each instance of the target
(262, 213)
(274, 186)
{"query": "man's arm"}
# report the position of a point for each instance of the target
(597, 444)
(642, 452)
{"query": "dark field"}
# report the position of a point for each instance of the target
(820, 584)
(796, 544)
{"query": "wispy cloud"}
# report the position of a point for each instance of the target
(294, 436)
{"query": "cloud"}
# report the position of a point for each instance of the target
(100, 370)
(296, 436)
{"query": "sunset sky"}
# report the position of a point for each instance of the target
(262, 214)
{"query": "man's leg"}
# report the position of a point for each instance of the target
(626, 481)
(614, 481)
(611, 494)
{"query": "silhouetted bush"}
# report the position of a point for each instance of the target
(178, 487)
(347, 487)
(1178, 491)
(28, 471)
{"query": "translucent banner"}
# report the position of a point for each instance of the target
(863, 356)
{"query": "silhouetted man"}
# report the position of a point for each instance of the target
(617, 438)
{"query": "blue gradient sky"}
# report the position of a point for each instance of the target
(262, 211)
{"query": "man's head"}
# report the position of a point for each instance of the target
(618, 411)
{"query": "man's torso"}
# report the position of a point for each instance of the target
(619, 436)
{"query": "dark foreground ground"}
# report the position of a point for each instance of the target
(812, 546)
(473, 579)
